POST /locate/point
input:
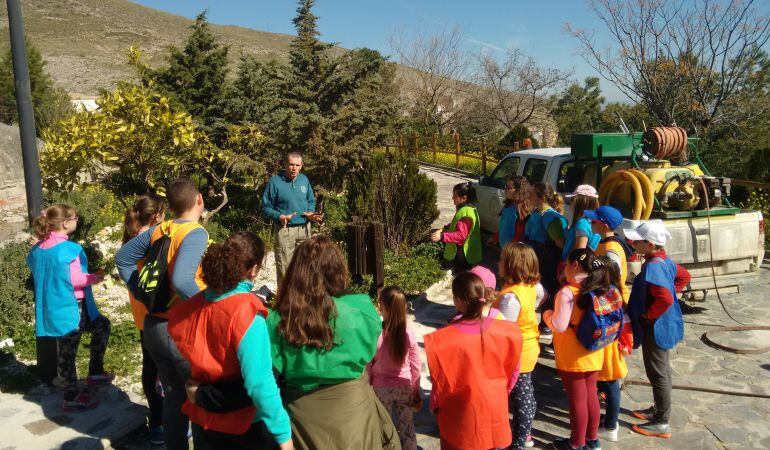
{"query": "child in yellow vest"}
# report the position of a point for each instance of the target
(577, 366)
(520, 296)
(604, 220)
(463, 238)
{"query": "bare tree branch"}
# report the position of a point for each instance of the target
(684, 60)
(440, 67)
(516, 89)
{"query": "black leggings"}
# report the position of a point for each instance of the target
(255, 438)
(149, 376)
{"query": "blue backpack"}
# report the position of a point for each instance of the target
(603, 320)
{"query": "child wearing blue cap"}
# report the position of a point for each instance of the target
(604, 221)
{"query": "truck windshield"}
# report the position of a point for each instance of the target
(506, 169)
(534, 169)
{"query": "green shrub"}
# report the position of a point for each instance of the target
(416, 270)
(391, 190)
(17, 304)
(97, 208)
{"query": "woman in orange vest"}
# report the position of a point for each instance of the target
(577, 366)
(147, 211)
(222, 332)
(604, 220)
(471, 361)
(521, 294)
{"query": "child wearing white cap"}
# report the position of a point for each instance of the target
(656, 319)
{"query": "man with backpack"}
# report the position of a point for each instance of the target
(656, 320)
(161, 268)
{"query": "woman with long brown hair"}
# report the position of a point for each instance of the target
(322, 339)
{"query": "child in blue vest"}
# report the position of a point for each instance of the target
(463, 238)
(64, 303)
(515, 212)
(656, 320)
(579, 234)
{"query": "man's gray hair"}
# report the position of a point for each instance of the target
(293, 155)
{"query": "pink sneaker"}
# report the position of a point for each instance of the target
(82, 402)
(529, 442)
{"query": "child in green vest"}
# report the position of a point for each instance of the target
(463, 239)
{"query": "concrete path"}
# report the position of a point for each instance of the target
(35, 420)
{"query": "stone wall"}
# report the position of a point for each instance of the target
(13, 201)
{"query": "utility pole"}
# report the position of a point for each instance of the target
(45, 346)
(26, 112)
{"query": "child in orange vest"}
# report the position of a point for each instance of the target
(471, 362)
(604, 220)
(222, 332)
(577, 366)
(517, 300)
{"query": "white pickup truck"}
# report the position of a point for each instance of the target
(737, 240)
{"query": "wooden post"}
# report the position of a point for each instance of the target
(400, 144)
(416, 145)
(516, 146)
(483, 156)
(433, 144)
(387, 149)
(457, 149)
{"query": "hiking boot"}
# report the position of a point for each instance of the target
(661, 430)
(593, 444)
(81, 402)
(609, 434)
(101, 379)
(564, 444)
(644, 414)
(156, 436)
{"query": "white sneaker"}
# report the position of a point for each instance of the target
(609, 435)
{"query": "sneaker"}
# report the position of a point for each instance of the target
(545, 331)
(661, 430)
(564, 444)
(594, 444)
(609, 434)
(548, 350)
(156, 436)
(81, 402)
(644, 414)
(529, 443)
(101, 379)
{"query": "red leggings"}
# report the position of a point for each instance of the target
(584, 409)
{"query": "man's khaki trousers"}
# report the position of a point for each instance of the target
(286, 240)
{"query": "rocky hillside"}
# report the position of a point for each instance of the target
(86, 41)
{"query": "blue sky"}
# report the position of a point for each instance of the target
(537, 28)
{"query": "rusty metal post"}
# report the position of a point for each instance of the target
(457, 149)
(433, 144)
(516, 146)
(483, 156)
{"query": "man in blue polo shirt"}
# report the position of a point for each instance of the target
(289, 203)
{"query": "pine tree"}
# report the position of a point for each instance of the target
(331, 108)
(51, 103)
(196, 76)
